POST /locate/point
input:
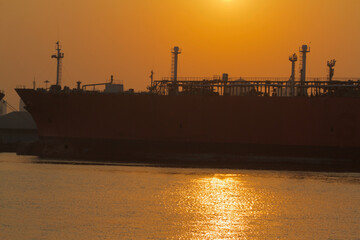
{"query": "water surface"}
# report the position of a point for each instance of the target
(67, 201)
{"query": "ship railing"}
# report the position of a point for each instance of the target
(190, 79)
(218, 78)
(308, 79)
(242, 87)
(257, 79)
(264, 82)
(342, 79)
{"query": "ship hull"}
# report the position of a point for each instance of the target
(120, 126)
(219, 155)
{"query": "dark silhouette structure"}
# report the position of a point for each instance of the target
(202, 120)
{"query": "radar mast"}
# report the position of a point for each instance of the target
(59, 55)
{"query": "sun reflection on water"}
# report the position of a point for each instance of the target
(226, 202)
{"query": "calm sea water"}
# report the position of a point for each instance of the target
(66, 201)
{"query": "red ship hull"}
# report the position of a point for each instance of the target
(238, 125)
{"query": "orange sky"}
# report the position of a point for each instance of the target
(129, 38)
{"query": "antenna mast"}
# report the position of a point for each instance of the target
(59, 55)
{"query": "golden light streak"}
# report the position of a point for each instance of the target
(225, 198)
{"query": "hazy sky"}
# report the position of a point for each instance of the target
(129, 38)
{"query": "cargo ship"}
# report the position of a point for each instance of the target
(218, 121)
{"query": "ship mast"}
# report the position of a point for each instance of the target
(152, 79)
(331, 65)
(59, 55)
(304, 50)
(293, 58)
(174, 67)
